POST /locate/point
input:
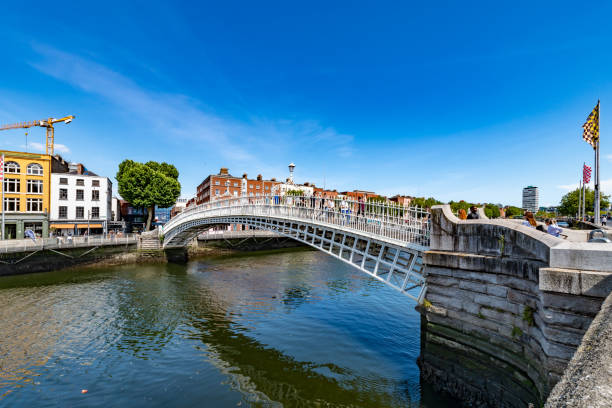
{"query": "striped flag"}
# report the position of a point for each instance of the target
(591, 127)
(2, 168)
(586, 174)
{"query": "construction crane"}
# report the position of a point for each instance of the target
(46, 123)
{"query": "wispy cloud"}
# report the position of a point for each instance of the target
(609, 157)
(180, 116)
(39, 147)
(605, 186)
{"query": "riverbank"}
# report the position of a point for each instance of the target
(48, 260)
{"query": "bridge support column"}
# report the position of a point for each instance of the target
(177, 255)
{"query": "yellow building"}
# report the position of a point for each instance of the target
(27, 192)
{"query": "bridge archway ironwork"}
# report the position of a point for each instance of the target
(384, 240)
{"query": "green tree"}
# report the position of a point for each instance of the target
(569, 202)
(147, 185)
(491, 211)
(424, 202)
(459, 205)
(512, 211)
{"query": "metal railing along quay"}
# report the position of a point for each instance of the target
(55, 243)
(390, 220)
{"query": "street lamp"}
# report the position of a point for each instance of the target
(291, 168)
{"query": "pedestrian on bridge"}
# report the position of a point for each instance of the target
(473, 215)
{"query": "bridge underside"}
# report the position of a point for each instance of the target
(398, 266)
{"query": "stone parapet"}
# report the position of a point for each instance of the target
(508, 302)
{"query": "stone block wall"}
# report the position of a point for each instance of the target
(500, 324)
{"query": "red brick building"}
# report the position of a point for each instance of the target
(224, 185)
(356, 194)
(403, 200)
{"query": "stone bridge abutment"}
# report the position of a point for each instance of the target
(506, 308)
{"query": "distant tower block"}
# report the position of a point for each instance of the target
(531, 199)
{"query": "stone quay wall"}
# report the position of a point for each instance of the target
(507, 307)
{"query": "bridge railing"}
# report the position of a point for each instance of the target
(29, 245)
(396, 221)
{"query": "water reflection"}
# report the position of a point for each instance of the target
(281, 329)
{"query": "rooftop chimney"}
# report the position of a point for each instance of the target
(259, 178)
(224, 171)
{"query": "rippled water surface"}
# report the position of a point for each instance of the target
(293, 329)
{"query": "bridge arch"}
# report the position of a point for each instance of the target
(384, 241)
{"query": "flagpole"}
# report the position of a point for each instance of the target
(580, 197)
(584, 191)
(596, 209)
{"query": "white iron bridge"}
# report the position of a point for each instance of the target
(384, 240)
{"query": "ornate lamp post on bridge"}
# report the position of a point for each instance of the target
(291, 168)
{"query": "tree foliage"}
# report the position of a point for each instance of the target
(149, 184)
(424, 202)
(491, 211)
(569, 202)
(513, 211)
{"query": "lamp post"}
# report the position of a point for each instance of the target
(291, 168)
(88, 217)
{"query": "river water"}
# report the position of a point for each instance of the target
(291, 328)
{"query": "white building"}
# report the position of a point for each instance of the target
(531, 199)
(80, 203)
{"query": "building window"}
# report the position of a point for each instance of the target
(95, 212)
(216, 182)
(63, 212)
(11, 204)
(35, 169)
(34, 205)
(63, 194)
(257, 194)
(235, 184)
(12, 185)
(258, 187)
(267, 187)
(95, 195)
(63, 180)
(217, 192)
(11, 167)
(79, 195)
(35, 186)
(80, 213)
(235, 194)
(80, 182)
(95, 183)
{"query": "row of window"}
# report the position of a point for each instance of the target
(34, 169)
(80, 194)
(12, 204)
(14, 186)
(79, 212)
(79, 182)
(236, 193)
(257, 187)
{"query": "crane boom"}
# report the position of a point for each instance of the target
(46, 123)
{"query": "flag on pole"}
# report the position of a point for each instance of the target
(586, 174)
(591, 127)
(2, 168)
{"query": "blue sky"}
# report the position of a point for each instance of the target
(453, 100)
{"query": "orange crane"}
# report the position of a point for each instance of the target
(46, 123)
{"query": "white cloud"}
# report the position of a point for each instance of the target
(609, 157)
(39, 147)
(61, 148)
(605, 186)
(179, 116)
